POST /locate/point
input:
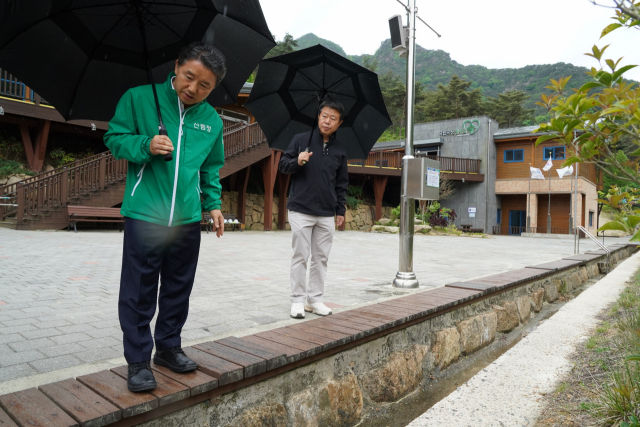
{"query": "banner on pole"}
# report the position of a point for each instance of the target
(566, 171)
(548, 166)
(536, 173)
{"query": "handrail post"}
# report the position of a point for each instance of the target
(102, 172)
(64, 187)
(20, 202)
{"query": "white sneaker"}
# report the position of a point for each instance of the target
(317, 308)
(297, 310)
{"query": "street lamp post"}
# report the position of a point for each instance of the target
(406, 278)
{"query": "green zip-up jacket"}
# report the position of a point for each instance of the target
(157, 191)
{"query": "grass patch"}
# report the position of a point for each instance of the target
(603, 388)
(11, 167)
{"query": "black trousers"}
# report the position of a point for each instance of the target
(152, 250)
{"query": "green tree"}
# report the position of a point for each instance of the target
(601, 119)
(370, 62)
(287, 45)
(508, 108)
(452, 101)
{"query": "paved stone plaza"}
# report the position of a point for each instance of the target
(59, 290)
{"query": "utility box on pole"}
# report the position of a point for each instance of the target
(423, 179)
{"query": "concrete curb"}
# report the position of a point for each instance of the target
(507, 392)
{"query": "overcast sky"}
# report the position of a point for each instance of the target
(493, 33)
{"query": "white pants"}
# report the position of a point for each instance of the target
(312, 235)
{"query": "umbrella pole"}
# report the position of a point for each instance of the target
(406, 278)
(162, 130)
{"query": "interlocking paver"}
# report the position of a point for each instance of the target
(42, 299)
(55, 363)
(22, 357)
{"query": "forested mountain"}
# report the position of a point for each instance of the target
(436, 66)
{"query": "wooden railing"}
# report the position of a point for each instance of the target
(55, 188)
(240, 139)
(393, 160)
(516, 231)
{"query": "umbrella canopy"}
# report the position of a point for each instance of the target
(82, 55)
(289, 89)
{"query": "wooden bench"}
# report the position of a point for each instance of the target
(93, 214)
(466, 228)
(208, 222)
(231, 218)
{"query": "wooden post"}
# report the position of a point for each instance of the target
(283, 187)
(241, 188)
(269, 173)
(41, 145)
(20, 202)
(102, 172)
(64, 187)
(26, 142)
(379, 185)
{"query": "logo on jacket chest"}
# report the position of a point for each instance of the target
(202, 127)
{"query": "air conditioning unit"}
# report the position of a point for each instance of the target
(398, 34)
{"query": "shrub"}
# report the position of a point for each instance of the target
(11, 167)
(60, 157)
(10, 148)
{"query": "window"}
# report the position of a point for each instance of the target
(499, 216)
(590, 218)
(553, 153)
(511, 156)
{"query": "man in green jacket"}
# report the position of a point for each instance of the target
(162, 205)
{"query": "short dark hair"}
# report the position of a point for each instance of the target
(208, 55)
(332, 104)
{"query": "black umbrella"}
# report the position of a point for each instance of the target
(289, 89)
(82, 55)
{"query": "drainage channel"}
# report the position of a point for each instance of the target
(441, 384)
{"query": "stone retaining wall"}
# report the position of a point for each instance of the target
(341, 389)
(355, 219)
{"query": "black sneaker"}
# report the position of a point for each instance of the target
(174, 359)
(140, 377)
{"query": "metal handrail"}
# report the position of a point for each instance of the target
(593, 238)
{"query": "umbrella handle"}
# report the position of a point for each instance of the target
(163, 131)
(304, 162)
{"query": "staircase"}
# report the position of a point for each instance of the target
(40, 202)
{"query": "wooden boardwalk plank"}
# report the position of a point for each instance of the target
(197, 381)
(81, 403)
(114, 388)
(556, 265)
(404, 313)
(582, 257)
(5, 420)
(512, 278)
(274, 360)
(167, 391)
(252, 365)
(31, 408)
(309, 348)
(339, 337)
(390, 319)
(333, 322)
(326, 343)
(485, 288)
(331, 327)
(222, 370)
(291, 354)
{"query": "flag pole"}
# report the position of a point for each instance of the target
(549, 207)
(529, 203)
